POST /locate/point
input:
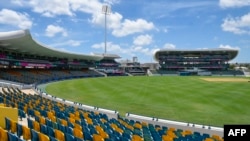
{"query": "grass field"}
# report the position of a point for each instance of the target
(189, 99)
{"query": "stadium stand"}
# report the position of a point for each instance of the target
(211, 61)
(109, 66)
(133, 68)
(42, 117)
(39, 76)
(48, 119)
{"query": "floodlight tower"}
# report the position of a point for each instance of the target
(106, 10)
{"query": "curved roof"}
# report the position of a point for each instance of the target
(231, 52)
(21, 41)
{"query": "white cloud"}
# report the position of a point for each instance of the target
(73, 43)
(86, 6)
(130, 27)
(111, 2)
(127, 51)
(234, 3)
(238, 25)
(122, 28)
(52, 30)
(112, 48)
(228, 47)
(51, 8)
(20, 20)
(169, 46)
(143, 40)
(115, 22)
(17, 2)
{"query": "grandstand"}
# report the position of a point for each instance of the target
(133, 67)
(25, 62)
(109, 66)
(196, 62)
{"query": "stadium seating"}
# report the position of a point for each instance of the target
(64, 122)
(3, 134)
(43, 137)
(33, 76)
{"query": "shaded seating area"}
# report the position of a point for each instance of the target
(49, 120)
(38, 76)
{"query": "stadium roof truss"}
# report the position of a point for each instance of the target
(22, 42)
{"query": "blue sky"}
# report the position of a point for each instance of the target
(134, 27)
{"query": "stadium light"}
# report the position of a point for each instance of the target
(106, 10)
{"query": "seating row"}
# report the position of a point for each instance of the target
(64, 122)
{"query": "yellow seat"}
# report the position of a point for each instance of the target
(103, 120)
(138, 125)
(86, 115)
(43, 137)
(216, 137)
(13, 126)
(36, 126)
(167, 138)
(49, 115)
(42, 120)
(37, 113)
(26, 133)
(137, 138)
(71, 115)
(119, 130)
(64, 122)
(72, 120)
(209, 139)
(78, 126)
(59, 135)
(89, 121)
(144, 123)
(98, 128)
(53, 118)
(104, 134)
(78, 133)
(3, 134)
(171, 129)
(186, 132)
(77, 115)
(97, 137)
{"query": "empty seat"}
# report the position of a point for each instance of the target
(51, 131)
(34, 135)
(3, 134)
(53, 139)
(7, 123)
(43, 129)
(19, 130)
(209, 139)
(13, 127)
(26, 133)
(36, 126)
(12, 137)
(97, 137)
(78, 133)
(30, 123)
(137, 138)
(43, 137)
(69, 137)
(59, 135)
